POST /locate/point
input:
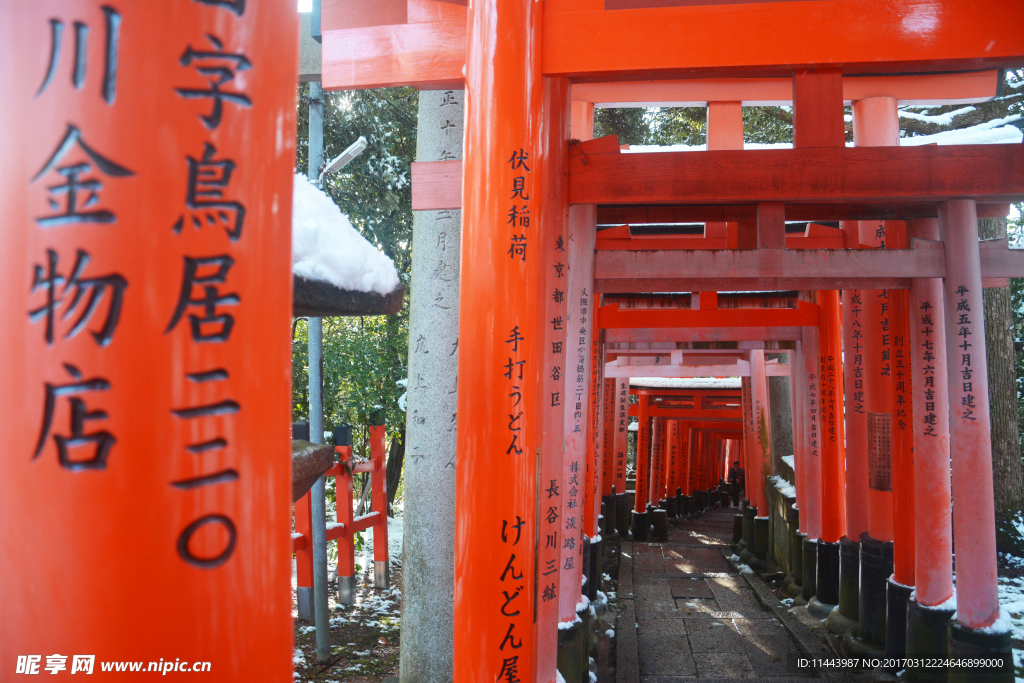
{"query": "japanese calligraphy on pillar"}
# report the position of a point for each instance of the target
(963, 326)
(146, 256)
(812, 409)
(857, 356)
(621, 432)
(519, 210)
(828, 397)
(901, 377)
(926, 329)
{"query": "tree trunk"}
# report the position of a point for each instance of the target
(396, 456)
(1007, 468)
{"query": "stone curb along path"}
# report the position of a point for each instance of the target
(812, 641)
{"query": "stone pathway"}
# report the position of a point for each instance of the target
(695, 616)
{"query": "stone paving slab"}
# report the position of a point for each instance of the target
(690, 588)
(697, 618)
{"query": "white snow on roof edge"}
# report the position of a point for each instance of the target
(327, 248)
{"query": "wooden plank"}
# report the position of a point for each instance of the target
(613, 317)
(335, 14)
(847, 175)
(771, 263)
(920, 89)
(818, 108)
(737, 370)
(425, 55)
(861, 36)
(697, 213)
(641, 285)
(702, 334)
(771, 225)
(436, 185)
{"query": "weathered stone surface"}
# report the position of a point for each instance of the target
(309, 461)
(429, 552)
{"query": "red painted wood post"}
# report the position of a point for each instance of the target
(500, 347)
(343, 514)
(977, 598)
(760, 432)
(933, 531)
(621, 433)
(643, 455)
(379, 494)
(797, 395)
(145, 484)
(812, 410)
(833, 452)
(552, 219)
(876, 124)
(725, 131)
(608, 430)
(592, 492)
(902, 436)
(856, 415)
(672, 466)
(304, 556)
(657, 461)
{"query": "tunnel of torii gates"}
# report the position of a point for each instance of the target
(898, 284)
(895, 289)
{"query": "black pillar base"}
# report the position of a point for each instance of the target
(670, 507)
(587, 568)
(572, 652)
(810, 562)
(896, 596)
(622, 514)
(827, 577)
(747, 553)
(659, 525)
(761, 539)
(638, 527)
(974, 643)
(875, 570)
(927, 637)
(596, 565)
(607, 525)
(849, 578)
(737, 528)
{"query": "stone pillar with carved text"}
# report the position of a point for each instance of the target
(428, 574)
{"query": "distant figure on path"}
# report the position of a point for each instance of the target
(736, 482)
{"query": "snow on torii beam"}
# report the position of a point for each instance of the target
(423, 43)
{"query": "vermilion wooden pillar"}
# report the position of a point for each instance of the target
(552, 220)
(621, 434)
(672, 466)
(876, 124)
(833, 451)
(902, 437)
(977, 599)
(761, 432)
(812, 410)
(643, 455)
(797, 388)
(595, 451)
(749, 441)
(856, 415)
(658, 462)
(933, 529)
(608, 425)
(578, 432)
(686, 451)
(145, 410)
(500, 347)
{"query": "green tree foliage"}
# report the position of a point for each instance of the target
(364, 358)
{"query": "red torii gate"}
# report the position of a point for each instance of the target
(522, 62)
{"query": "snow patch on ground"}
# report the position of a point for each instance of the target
(326, 247)
(395, 532)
